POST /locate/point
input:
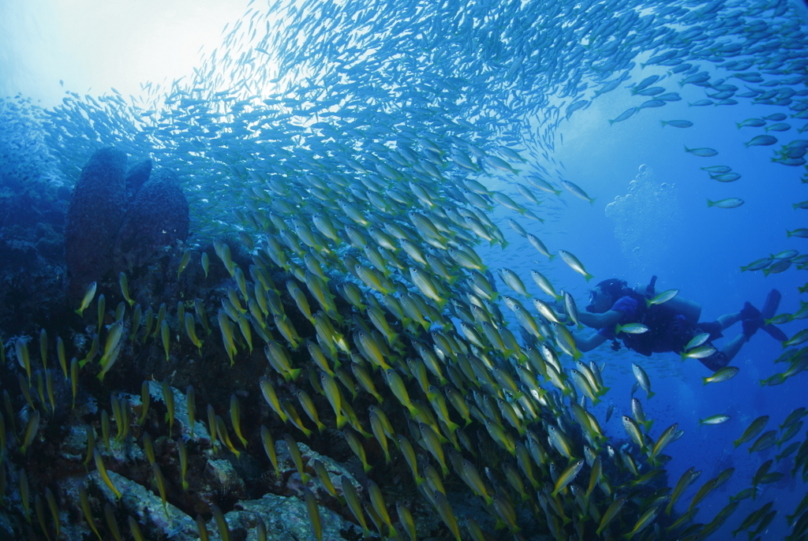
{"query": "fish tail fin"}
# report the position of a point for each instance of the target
(710, 203)
(663, 123)
(588, 276)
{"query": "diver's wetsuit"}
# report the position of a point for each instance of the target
(668, 330)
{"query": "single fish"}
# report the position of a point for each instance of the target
(677, 123)
(577, 191)
(568, 475)
(624, 116)
(714, 419)
(575, 264)
(611, 512)
(663, 297)
(728, 203)
(631, 328)
(754, 428)
(642, 378)
(702, 152)
(761, 140)
(89, 294)
(722, 374)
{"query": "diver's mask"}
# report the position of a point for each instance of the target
(592, 296)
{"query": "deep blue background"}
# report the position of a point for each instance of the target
(665, 228)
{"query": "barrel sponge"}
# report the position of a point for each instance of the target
(158, 217)
(94, 214)
(136, 177)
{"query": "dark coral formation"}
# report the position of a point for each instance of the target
(94, 216)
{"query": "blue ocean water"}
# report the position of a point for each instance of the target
(650, 217)
(650, 214)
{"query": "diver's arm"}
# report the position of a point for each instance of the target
(588, 343)
(600, 321)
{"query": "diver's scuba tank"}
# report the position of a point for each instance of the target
(691, 310)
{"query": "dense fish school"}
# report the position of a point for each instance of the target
(327, 354)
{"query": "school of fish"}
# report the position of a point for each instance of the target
(335, 156)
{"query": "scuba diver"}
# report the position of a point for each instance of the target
(654, 325)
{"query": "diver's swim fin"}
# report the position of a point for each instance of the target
(769, 311)
(771, 305)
